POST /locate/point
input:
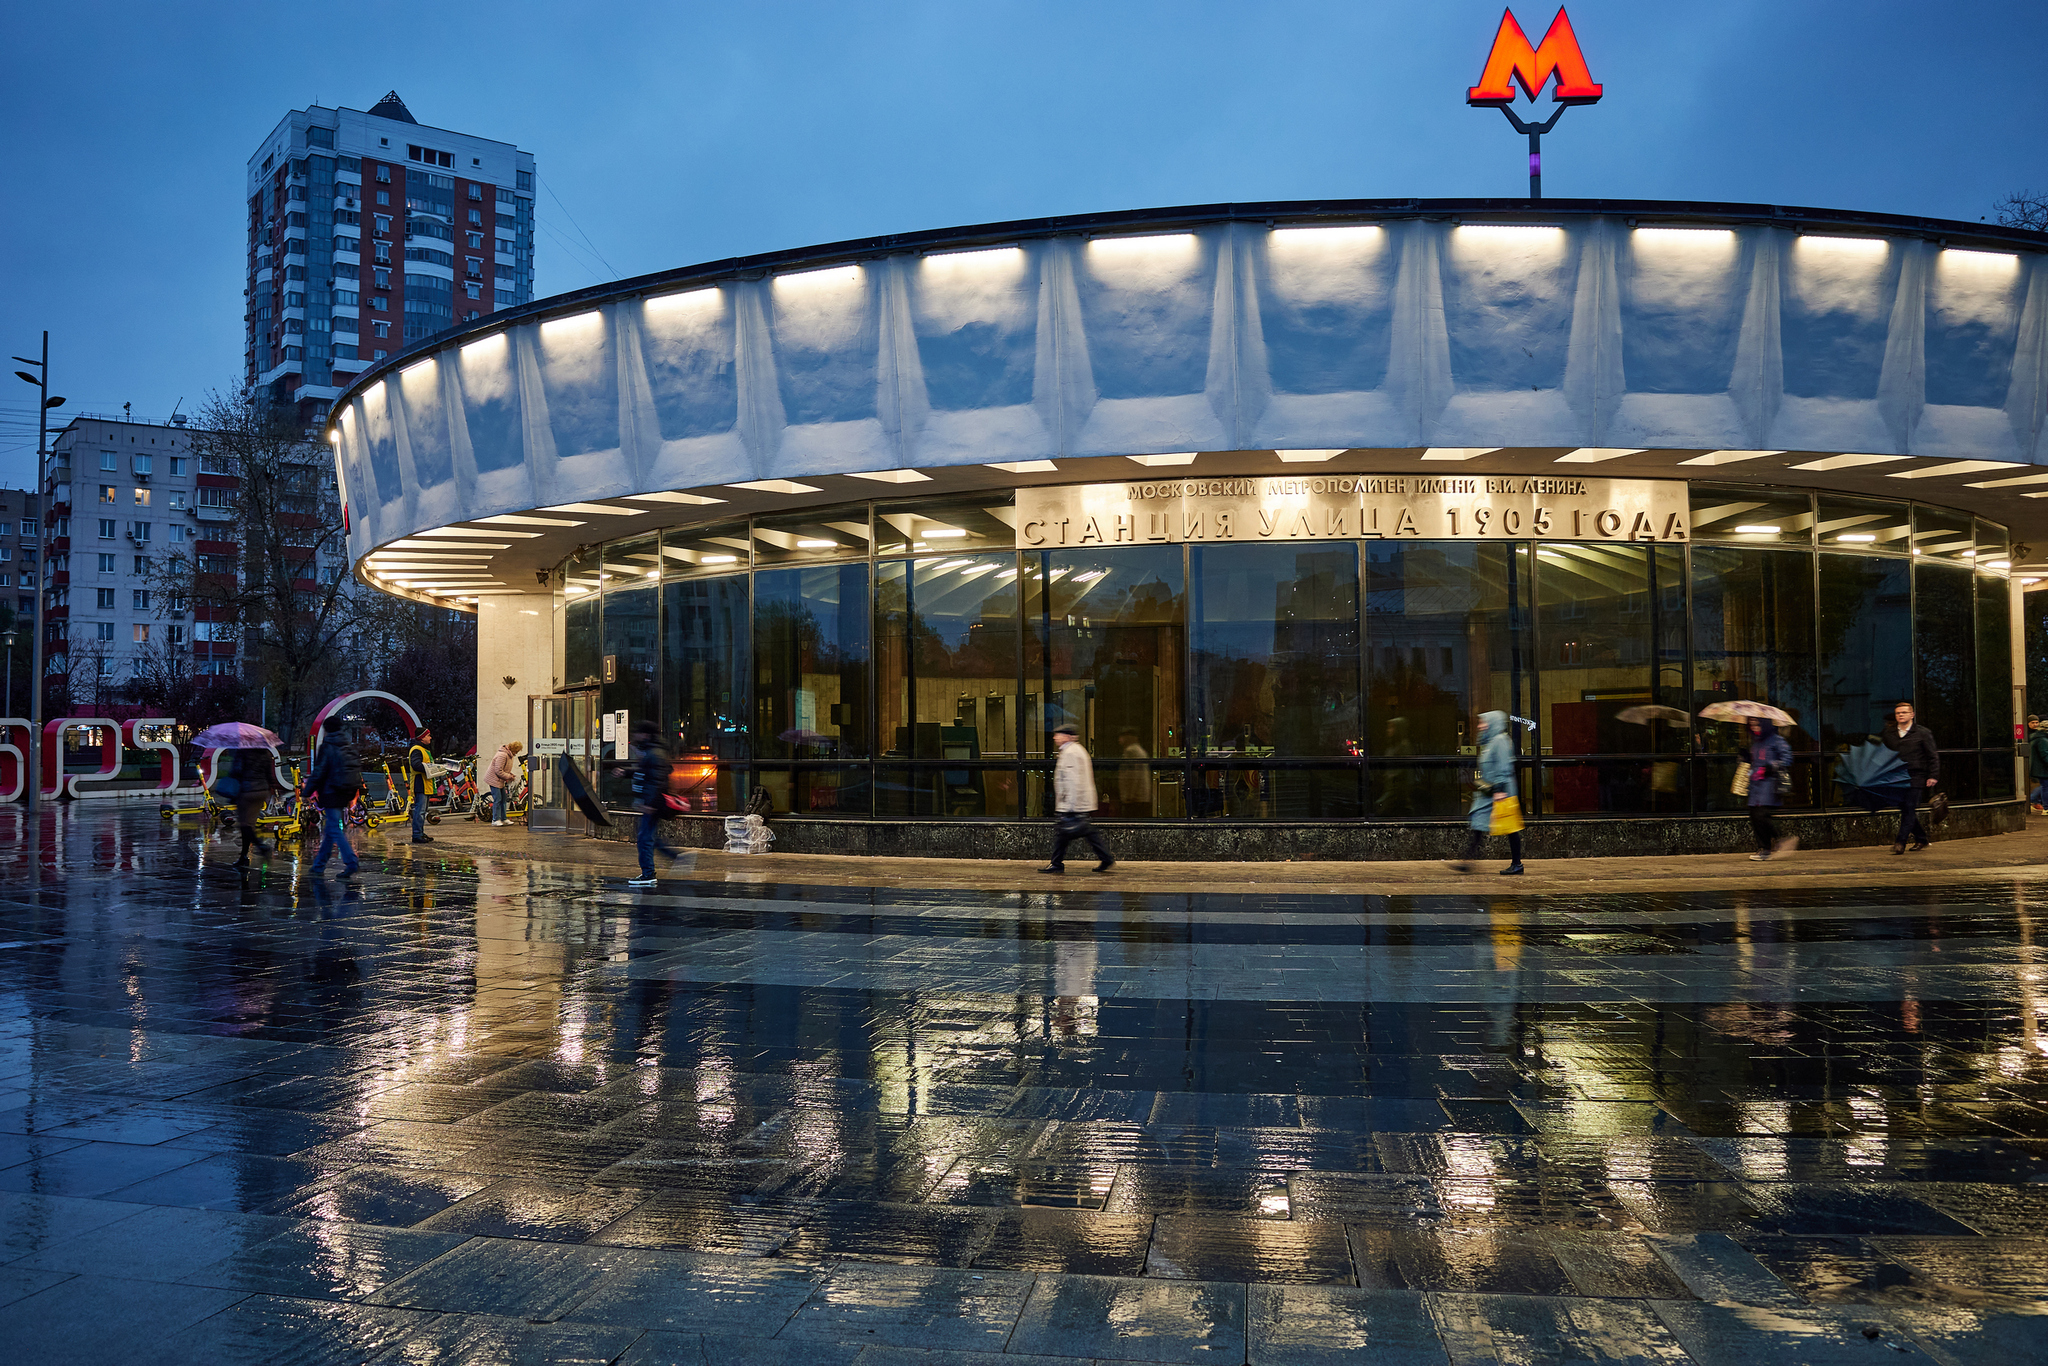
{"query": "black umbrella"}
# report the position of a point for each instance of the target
(579, 791)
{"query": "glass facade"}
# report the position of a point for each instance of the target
(904, 661)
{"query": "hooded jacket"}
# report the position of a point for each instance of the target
(1769, 756)
(1073, 781)
(1496, 767)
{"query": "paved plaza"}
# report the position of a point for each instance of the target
(490, 1105)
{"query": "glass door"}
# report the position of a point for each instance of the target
(562, 726)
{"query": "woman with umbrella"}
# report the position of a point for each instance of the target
(1766, 761)
(252, 753)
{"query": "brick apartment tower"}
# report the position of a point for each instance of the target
(369, 232)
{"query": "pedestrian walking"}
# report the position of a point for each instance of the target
(336, 779)
(1074, 800)
(1914, 744)
(417, 757)
(652, 770)
(2037, 765)
(500, 776)
(1769, 759)
(1496, 799)
(253, 773)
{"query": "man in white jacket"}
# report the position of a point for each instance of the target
(1073, 801)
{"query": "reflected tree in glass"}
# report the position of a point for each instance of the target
(1944, 637)
(1753, 638)
(1275, 650)
(811, 653)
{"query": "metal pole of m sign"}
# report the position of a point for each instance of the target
(1514, 61)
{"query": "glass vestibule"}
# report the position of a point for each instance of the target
(918, 672)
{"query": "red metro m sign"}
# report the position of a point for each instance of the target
(1512, 61)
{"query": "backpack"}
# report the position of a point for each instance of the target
(348, 776)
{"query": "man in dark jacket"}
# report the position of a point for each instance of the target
(1914, 744)
(416, 760)
(651, 773)
(336, 778)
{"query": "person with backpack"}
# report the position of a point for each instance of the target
(416, 760)
(651, 773)
(336, 779)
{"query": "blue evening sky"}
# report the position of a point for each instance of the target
(680, 132)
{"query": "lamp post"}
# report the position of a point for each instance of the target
(41, 379)
(7, 639)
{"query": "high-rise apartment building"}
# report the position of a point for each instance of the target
(369, 231)
(123, 495)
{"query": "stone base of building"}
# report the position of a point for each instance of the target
(1274, 842)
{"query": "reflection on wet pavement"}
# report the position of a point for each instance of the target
(485, 1109)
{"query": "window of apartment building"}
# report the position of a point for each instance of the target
(214, 564)
(142, 498)
(383, 175)
(141, 633)
(5, 554)
(345, 351)
(177, 466)
(379, 355)
(28, 526)
(380, 303)
(525, 179)
(106, 460)
(384, 198)
(109, 493)
(106, 564)
(179, 498)
(476, 291)
(105, 599)
(106, 528)
(142, 564)
(142, 464)
(213, 498)
(6, 528)
(174, 635)
(4, 581)
(140, 530)
(382, 329)
(347, 298)
(141, 596)
(476, 241)
(383, 222)
(103, 630)
(506, 296)
(476, 216)
(476, 191)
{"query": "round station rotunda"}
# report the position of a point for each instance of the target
(1269, 500)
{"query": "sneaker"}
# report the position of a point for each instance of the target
(1759, 857)
(422, 839)
(648, 881)
(1052, 868)
(1512, 870)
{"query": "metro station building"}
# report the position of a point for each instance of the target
(1268, 499)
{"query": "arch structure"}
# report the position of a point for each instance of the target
(1613, 396)
(349, 699)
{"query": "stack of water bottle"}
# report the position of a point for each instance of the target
(747, 835)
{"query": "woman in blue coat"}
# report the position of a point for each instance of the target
(1769, 759)
(1496, 783)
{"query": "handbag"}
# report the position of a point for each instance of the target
(1507, 816)
(1937, 808)
(1740, 787)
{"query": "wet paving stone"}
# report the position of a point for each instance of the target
(770, 1121)
(326, 1259)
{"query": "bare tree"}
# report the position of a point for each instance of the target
(279, 585)
(2024, 209)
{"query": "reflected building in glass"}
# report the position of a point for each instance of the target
(858, 527)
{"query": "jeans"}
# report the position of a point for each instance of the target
(1074, 825)
(650, 841)
(2039, 791)
(419, 815)
(497, 805)
(333, 837)
(1909, 814)
(1763, 827)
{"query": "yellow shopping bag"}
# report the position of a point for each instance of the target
(1507, 816)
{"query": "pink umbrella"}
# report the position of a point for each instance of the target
(236, 735)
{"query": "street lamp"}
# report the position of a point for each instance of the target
(41, 379)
